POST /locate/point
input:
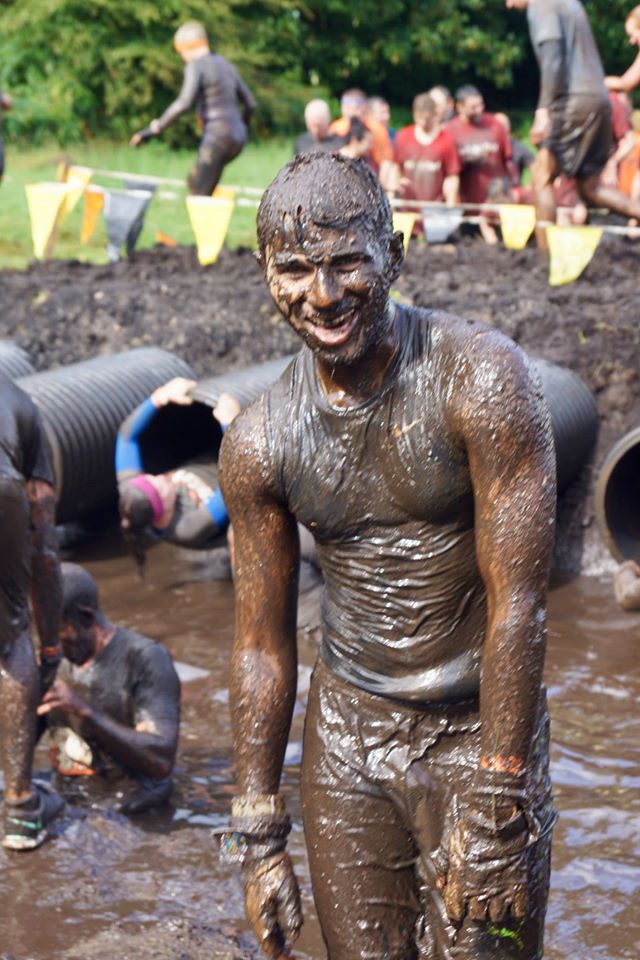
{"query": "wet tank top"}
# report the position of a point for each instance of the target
(385, 489)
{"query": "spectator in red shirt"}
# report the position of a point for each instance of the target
(427, 166)
(484, 149)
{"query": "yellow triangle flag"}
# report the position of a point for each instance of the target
(570, 251)
(93, 203)
(404, 222)
(77, 179)
(44, 201)
(517, 223)
(226, 193)
(210, 217)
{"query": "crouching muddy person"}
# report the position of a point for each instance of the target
(28, 565)
(417, 449)
(115, 705)
(183, 506)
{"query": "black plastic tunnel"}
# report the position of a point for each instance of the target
(14, 361)
(180, 434)
(574, 418)
(618, 498)
(83, 406)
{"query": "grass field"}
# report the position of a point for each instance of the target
(255, 167)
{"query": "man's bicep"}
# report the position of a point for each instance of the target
(512, 464)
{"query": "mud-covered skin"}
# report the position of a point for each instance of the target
(28, 562)
(493, 414)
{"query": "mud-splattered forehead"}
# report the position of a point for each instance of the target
(324, 190)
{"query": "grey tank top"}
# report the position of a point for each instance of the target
(385, 489)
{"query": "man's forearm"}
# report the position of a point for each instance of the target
(263, 690)
(141, 751)
(512, 668)
(46, 578)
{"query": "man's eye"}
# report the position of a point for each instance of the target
(348, 264)
(293, 269)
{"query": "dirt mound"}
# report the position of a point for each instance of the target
(222, 316)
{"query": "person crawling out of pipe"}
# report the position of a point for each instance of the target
(626, 585)
(183, 506)
(114, 707)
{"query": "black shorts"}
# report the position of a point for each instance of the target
(582, 137)
(378, 780)
(15, 561)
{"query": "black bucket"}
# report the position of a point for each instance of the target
(14, 361)
(83, 406)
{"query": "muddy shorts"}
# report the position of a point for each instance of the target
(582, 138)
(378, 779)
(216, 150)
(15, 561)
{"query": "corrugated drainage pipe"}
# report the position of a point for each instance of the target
(178, 434)
(83, 406)
(14, 361)
(574, 418)
(618, 498)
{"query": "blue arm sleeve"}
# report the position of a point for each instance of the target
(217, 510)
(127, 449)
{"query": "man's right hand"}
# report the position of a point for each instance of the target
(175, 391)
(272, 899)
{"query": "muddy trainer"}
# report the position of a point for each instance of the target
(417, 449)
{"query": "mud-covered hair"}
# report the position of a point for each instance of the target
(136, 516)
(79, 594)
(327, 189)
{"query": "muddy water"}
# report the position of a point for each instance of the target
(108, 887)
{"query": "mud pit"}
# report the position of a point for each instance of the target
(153, 888)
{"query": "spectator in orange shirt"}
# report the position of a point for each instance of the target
(353, 104)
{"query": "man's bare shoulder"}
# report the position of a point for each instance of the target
(246, 451)
(485, 371)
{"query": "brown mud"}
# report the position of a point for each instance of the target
(152, 888)
(222, 317)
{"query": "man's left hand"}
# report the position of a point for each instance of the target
(483, 862)
(62, 697)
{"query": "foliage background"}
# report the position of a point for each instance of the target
(81, 69)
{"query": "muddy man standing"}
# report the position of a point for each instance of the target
(417, 449)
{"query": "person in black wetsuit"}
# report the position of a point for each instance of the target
(215, 86)
(115, 704)
(183, 506)
(417, 449)
(28, 565)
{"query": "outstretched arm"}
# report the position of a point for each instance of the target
(263, 679)
(629, 80)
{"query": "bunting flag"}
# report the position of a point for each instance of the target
(404, 222)
(517, 223)
(210, 218)
(45, 201)
(224, 193)
(93, 203)
(570, 251)
(124, 212)
(164, 240)
(439, 225)
(77, 178)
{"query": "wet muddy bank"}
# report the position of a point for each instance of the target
(222, 318)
